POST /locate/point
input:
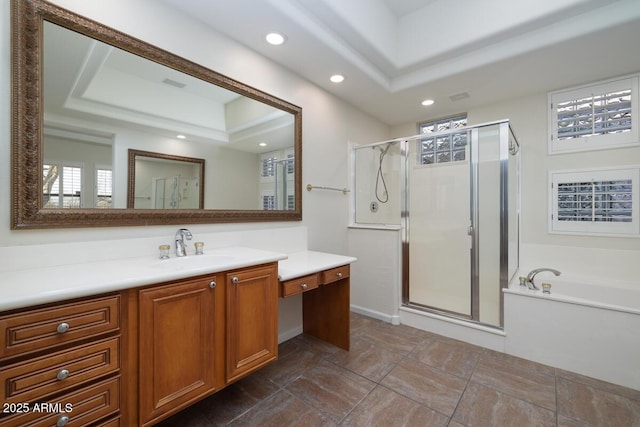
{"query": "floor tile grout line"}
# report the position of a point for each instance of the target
(603, 388)
(453, 413)
(513, 396)
(409, 397)
(259, 402)
(414, 401)
(308, 405)
(357, 404)
(379, 384)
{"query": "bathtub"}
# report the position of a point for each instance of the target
(589, 329)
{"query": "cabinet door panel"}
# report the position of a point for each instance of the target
(252, 320)
(180, 342)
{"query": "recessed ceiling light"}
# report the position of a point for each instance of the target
(263, 144)
(428, 102)
(275, 39)
(337, 78)
(181, 137)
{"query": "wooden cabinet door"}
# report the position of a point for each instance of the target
(181, 345)
(252, 319)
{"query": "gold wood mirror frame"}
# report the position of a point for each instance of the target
(135, 156)
(27, 128)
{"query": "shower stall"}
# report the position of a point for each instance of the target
(176, 192)
(455, 196)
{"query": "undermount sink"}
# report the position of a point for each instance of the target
(194, 261)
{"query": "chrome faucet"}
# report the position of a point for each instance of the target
(532, 275)
(181, 245)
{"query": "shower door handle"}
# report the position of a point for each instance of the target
(470, 230)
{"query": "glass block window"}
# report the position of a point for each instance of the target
(596, 201)
(449, 146)
(597, 116)
(61, 186)
(104, 186)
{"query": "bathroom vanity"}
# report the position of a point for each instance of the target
(137, 350)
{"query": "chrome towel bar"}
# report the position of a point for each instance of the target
(311, 187)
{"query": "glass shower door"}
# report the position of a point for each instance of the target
(439, 216)
(461, 222)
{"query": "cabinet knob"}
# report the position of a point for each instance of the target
(62, 328)
(339, 275)
(212, 284)
(234, 280)
(63, 420)
(63, 374)
(304, 286)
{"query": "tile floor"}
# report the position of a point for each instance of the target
(400, 376)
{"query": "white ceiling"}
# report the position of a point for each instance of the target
(395, 53)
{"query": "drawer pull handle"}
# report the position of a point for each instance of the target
(62, 328)
(339, 275)
(304, 286)
(234, 280)
(63, 374)
(212, 284)
(63, 420)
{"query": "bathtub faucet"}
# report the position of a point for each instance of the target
(533, 273)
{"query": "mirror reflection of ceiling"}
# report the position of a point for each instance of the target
(91, 79)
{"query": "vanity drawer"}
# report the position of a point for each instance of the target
(32, 379)
(82, 408)
(298, 285)
(335, 274)
(38, 329)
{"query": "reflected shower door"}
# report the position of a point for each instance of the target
(158, 190)
(439, 218)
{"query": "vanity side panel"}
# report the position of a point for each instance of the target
(129, 358)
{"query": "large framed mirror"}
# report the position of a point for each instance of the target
(85, 95)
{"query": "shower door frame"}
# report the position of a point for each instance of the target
(505, 133)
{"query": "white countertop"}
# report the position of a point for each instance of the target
(308, 262)
(28, 287)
